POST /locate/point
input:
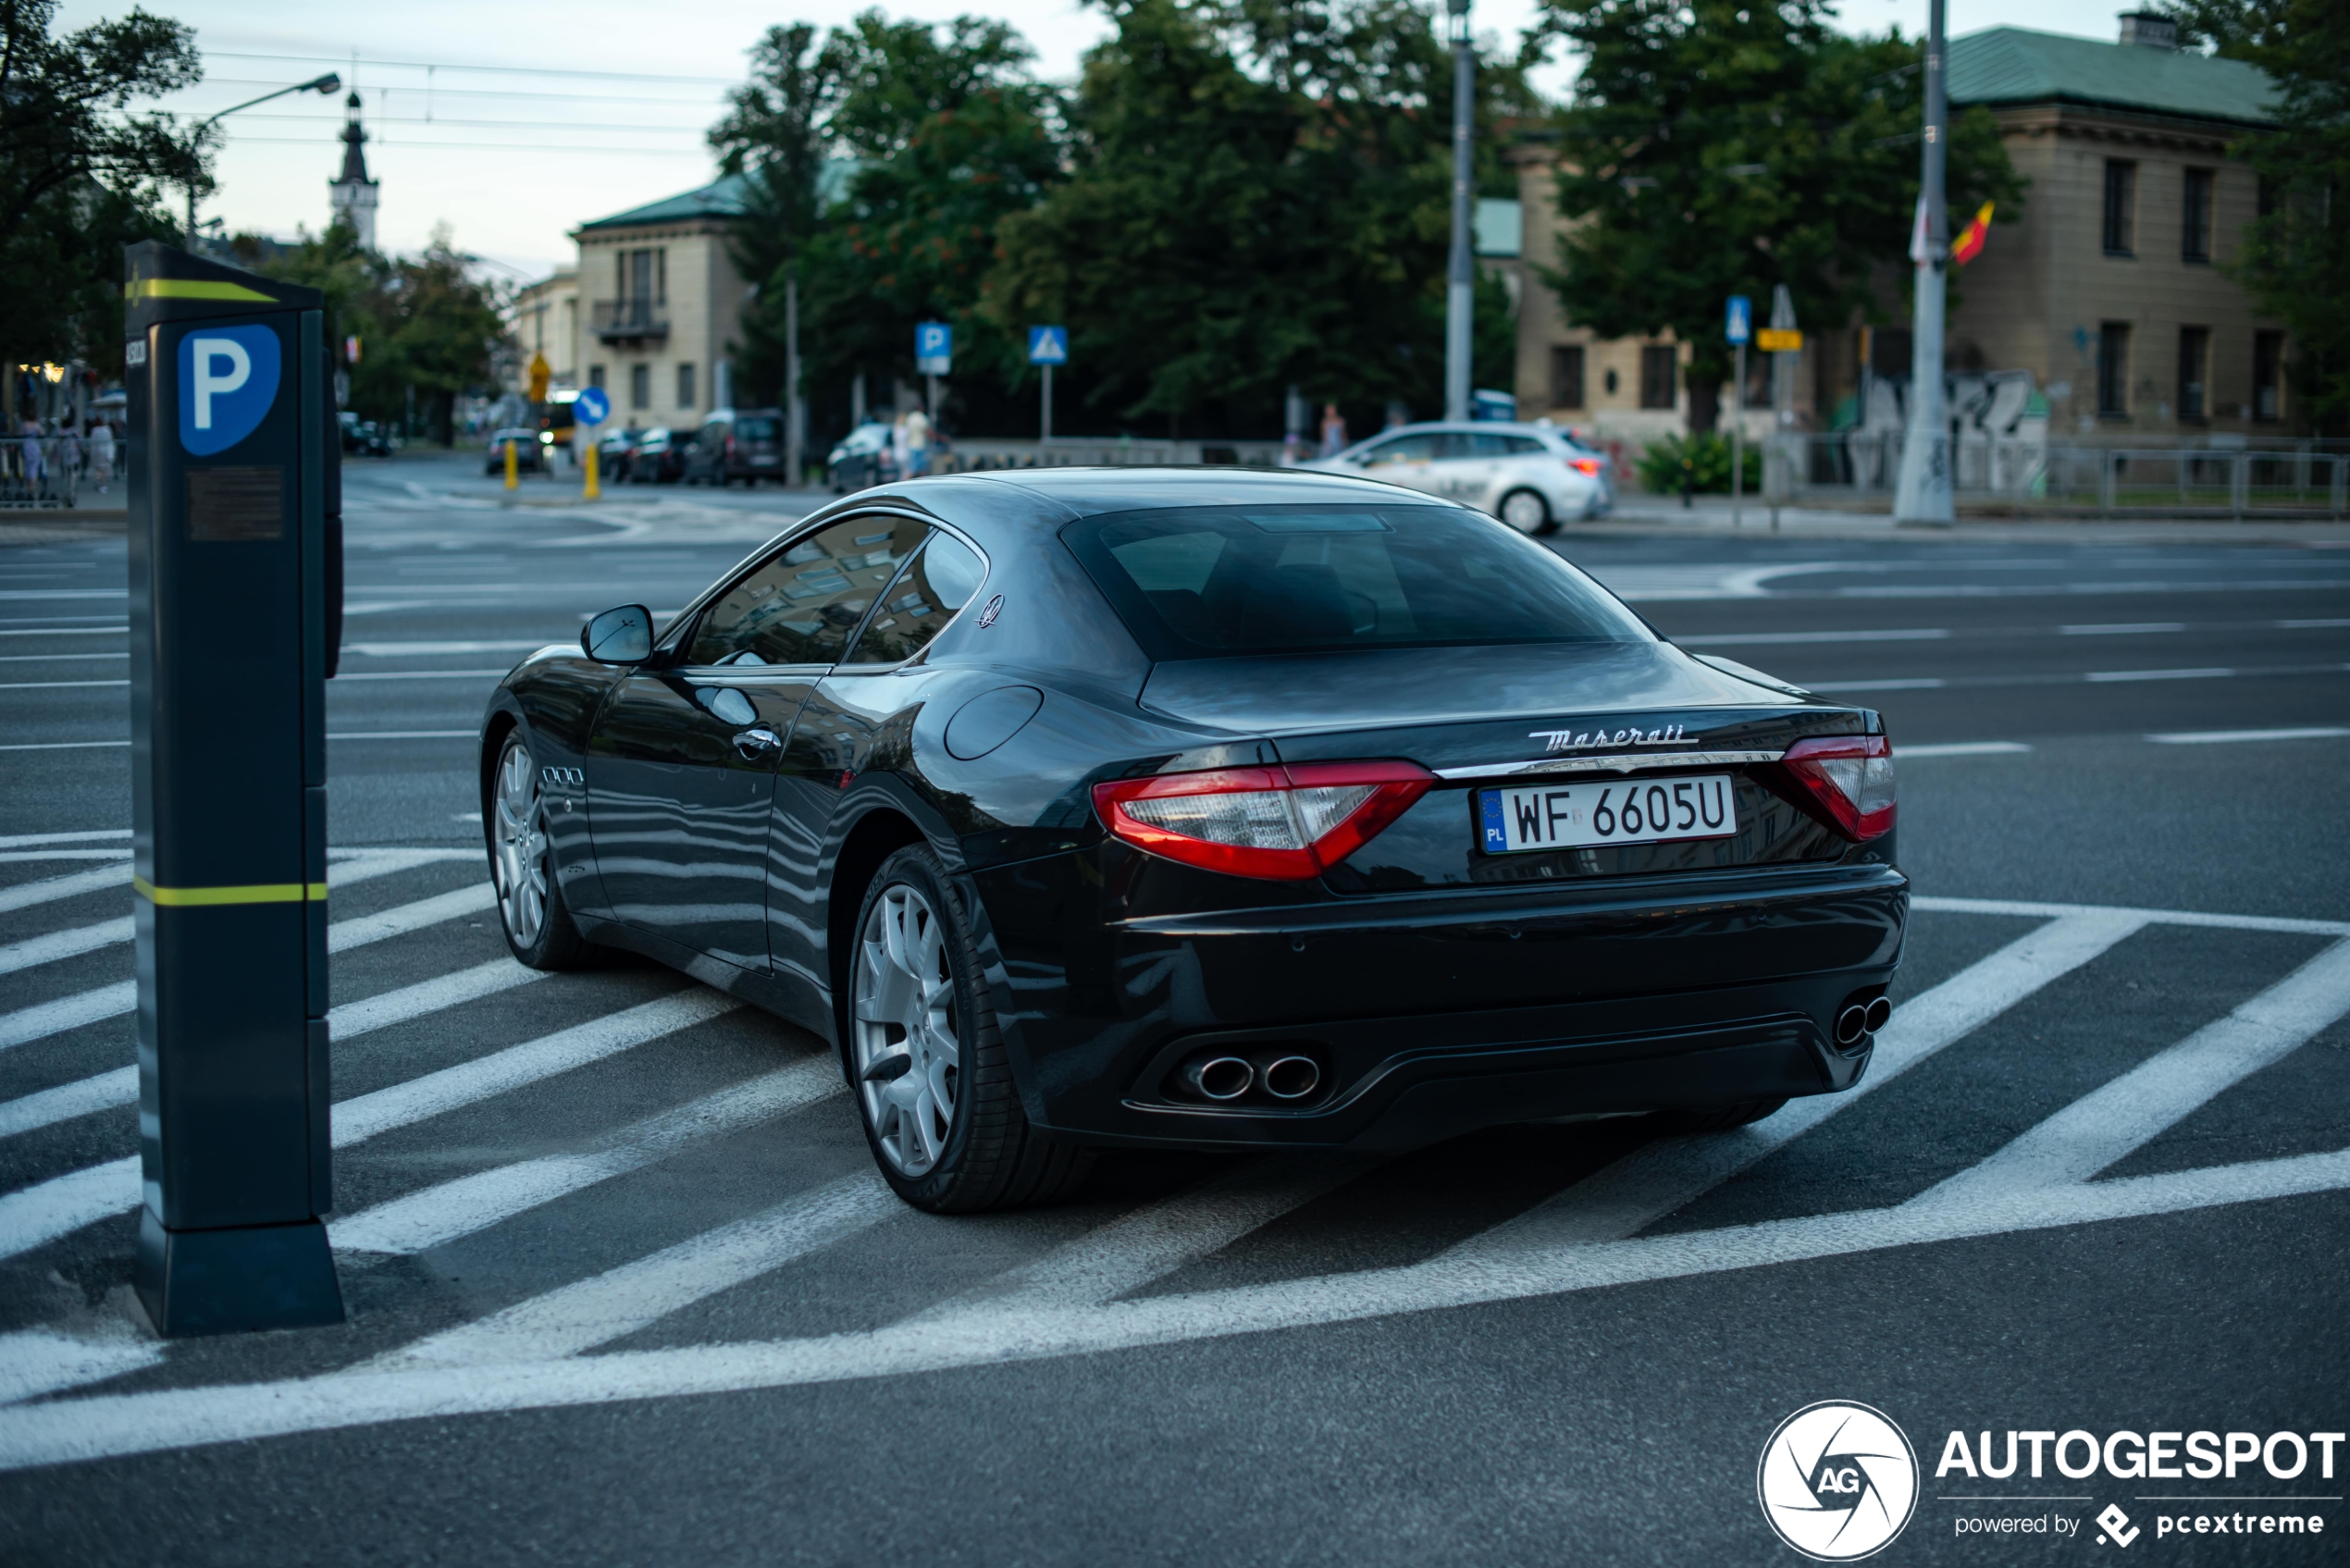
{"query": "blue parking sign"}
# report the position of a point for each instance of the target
(1739, 325)
(933, 347)
(1048, 345)
(591, 407)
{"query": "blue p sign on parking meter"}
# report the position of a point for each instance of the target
(591, 407)
(1739, 325)
(933, 347)
(1048, 345)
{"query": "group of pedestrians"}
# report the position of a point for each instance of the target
(46, 462)
(910, 438)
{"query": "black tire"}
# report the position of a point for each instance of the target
(1718, 1118)
(990, 1158)
(1542, 521)
(553, 943)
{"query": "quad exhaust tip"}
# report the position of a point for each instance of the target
(1218, 1077)
(1860, 1019)
(1879, 1011)
(1292, 1077)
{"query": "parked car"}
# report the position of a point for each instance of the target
(363, 438)
(660, 457)
(862, 458)
(529, 455)
(1531, 477)
(617, 453)
(744, 444)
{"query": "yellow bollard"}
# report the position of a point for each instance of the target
(595, 465)
(513, 467)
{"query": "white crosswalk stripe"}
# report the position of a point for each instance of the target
(24, 896)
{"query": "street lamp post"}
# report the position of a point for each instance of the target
(1459, 291)
(1923, 494)
(329, 82)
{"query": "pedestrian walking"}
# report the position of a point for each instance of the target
(917, 443)
(102, 455)
(1333, 430)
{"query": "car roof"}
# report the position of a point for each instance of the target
(1091, 491)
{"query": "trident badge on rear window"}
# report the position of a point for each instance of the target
(227, 380)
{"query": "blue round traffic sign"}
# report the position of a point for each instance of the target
(592, 407)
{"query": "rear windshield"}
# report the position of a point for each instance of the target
(1218, 581)
(754, 429)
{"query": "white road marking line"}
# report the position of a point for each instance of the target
(2223, 737)
(39, 1360)
(57, 685)
(2203, 675)
(24, 840)
(2311, 626)
(404, 735)
(111, 1426)
(124, 630)
(1920, 684)
(63, 745)
(61, 658)
(1650, 1183)
(451, 1210)
(1962, 748)
(28, 856)
(398, 922)
(54, 946)
(365, 1115)
(416, 675)
(618, 1303)
(26, 895)
(2101, 1127)
(68, 1012)
(354, 1018)
(101, 1093)
(2120, 629)
(33, 1216)
(2029, 910)
(394, 649)
(1759, 639)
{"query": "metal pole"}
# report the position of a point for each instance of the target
(1044, 425)
(1460, 292)
(1737, 439)
(795, 415)
(1924, 494)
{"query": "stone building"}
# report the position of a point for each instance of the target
(350, 198)
(2109, 286)
(658, 305)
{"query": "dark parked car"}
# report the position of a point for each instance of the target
(529, 457)
(617, 451)
(739, 444)
(863, 459)
(363, 438)
(660, 457)
(1097, 808)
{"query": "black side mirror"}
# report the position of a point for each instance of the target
(619, 636)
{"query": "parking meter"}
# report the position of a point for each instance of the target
(235, 600)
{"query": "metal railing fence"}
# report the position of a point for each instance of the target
(2272, 475)
(49, 472)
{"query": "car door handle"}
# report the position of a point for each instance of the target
(756, 744)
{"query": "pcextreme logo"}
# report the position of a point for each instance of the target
(1837, 1481)
(227, 380)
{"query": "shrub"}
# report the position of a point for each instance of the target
(1707, 457)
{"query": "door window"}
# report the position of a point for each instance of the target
(1420, 448)
(798, 606)
(923, 599)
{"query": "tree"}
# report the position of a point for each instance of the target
(1720, 147)
(1259, 197)
(81, 172)
(2295, 257)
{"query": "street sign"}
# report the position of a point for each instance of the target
(591, 407)
(1740, 324)
(1779, 340)
(933, 347)
(1048, 345)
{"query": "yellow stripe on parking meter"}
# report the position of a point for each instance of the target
(256, 892)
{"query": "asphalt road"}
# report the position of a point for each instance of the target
(623, 1287)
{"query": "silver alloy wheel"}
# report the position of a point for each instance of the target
(905, 1010)
(1525, 510)
(520, 829)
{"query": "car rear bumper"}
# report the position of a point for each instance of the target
(1430, 1016)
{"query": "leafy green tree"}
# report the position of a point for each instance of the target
(81, 172)
(2295, 258)
(1259, 197)
(1720, 147)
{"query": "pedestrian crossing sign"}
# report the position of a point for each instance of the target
(1048, 345)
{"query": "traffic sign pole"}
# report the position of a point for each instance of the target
(588, 411)
(1044, 425)
(235, 582)
(1739, 325)
(1047, 346)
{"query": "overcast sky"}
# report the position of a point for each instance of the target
(532, 120)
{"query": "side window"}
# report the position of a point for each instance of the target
(924, 598)
(798, 606)
(1523, 446)
(1402, 449)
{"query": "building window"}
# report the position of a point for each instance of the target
(1566, 375)
(2267, 376)
(2114, 368)
(2195, 366)
(2121, 206)
(2194, 223)
(640, 385)
(595, 375)
(685, 387)
(1658, 362)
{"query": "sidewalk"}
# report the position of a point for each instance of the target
(1710, 515)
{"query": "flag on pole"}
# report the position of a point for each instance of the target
(1969, 245)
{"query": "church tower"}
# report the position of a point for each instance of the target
(353, 197)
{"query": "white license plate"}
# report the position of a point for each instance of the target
(1564, 816)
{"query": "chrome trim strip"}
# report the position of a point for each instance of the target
(1631, 764)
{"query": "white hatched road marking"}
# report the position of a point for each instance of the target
(39, 1360)
(454, 1209)
(2029, 908)
(26, 895)
(1654, 1181)
(1962, 748)
(19, 857)
(103, 1092)
(616, 1303)
(20, 840)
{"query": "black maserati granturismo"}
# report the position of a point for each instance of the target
(1089, 808)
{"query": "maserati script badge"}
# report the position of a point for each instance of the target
(1574, 740)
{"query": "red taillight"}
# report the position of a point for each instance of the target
(1285, 824)
(1590, 465)
(1852, 776)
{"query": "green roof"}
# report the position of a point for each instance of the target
(724, 197)
(2011, 65)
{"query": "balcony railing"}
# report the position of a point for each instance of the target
(615, 319)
